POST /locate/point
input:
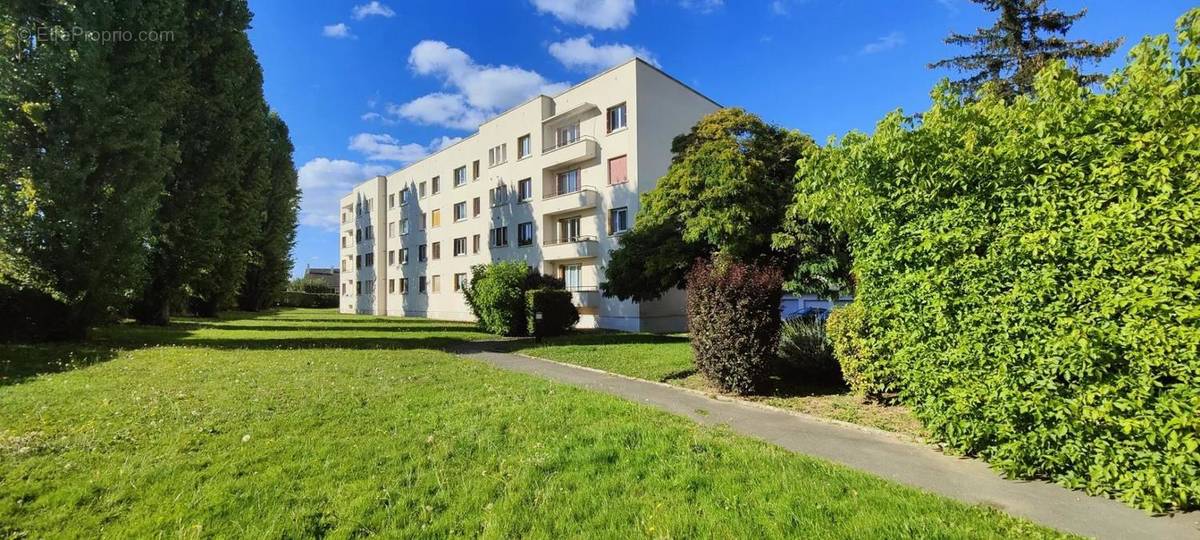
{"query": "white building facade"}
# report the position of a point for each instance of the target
(553, 182)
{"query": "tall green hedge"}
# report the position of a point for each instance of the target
(1031, 270)
(559, 314)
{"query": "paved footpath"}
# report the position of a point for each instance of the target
(873, 451)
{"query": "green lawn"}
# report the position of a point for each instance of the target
(668, 358)
(307, 423)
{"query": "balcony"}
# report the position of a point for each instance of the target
(586, 297)
(562, 203)
(578, 151)
(580, 247)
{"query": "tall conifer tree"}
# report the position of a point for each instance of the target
(270, 257)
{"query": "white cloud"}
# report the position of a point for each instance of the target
(384, 147)
(323, 182)
(885, 43)
(337, 31)
(373, 8)
(703, 6)
(779, 7)
(601, 14)
(579, 53)
(478, 91)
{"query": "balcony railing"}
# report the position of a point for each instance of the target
(580, 199)
(585, 296)
(582, 149)
(576, 247)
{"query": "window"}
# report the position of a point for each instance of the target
(567, 182)
(498, 155)
(460, 211)
(568, 229)
(421, 288)
(403, 285)
(358, 261)
(358, 235)
(421, 190)
(346, 241)
(499, 237)
(475, 244)
(618, 220)
(345, 219)
(369, 260)
(391, 286)
(403, 196)
(498, 195)
(422, 224)
(524, 146)
(435, 284)
(392, 200)
(566, 135)
(572, 276)
(404, 226)
(460, 282)
(435, 218)
(403, 255)
(525, 189)
(475, 207)
(391, 229)
(436, 251)
(618, 173)
(358, 288)
(460, 246)
(391, 257)
(525, 233)
(460, 176)
(475, 170)
(421, 253)
(435, 185)
(343, 289)
(616, 118)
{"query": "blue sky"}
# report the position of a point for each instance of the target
(368, 86)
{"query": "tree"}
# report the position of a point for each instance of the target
(82, 151)
(1026, 37)
(200, 239)
(270, 261)
(725, 193)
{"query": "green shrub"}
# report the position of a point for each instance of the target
(1029, 270)
(805, 351)
(307, 300)
(559, 314)
(733, 318)
(847, 328)
(496, 295)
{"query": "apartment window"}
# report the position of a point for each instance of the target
(404, 226)
(525, 233)
(370, 205)
(391, 286)
(358, 288)
(421, 285)
(435, 218)
(498, 195)
(421, 190)
(460, 246)
(436, 250)
(403, 196)
(568, 229)
(391, 257)
(435, 185)
(616, 118)
(392, 200)
(525, 189)
(358, 208)
(403, 285)
(460, 176)
(369, 260)
(345, 241)
(566, 134)
(358, 261)
(345, 218)
(524, 146)
(358, 235)
(460, 282)
(498, 155)
(391, 229)
(421, 253)
(618, 172)
(475, 170)
(435, 284)
(423, 224)
(345, 266)
(567, 182)
(343, 289)
(475, 243)
(403, 255)
(475, 207)
(460, 211)
(618, 220)
(499, 237)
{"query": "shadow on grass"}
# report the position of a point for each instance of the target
(20, 362)
(311, 329)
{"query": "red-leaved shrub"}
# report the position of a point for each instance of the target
(733, 317)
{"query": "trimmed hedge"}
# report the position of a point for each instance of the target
(559, 314)
(847, 328)
(1030, 271)
(496, 294)
(307, 300)
(733, 317)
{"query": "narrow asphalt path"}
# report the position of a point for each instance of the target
(873, 451)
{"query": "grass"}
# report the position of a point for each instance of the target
(668, 358)
(305, 423)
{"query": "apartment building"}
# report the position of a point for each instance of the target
(553, 182)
